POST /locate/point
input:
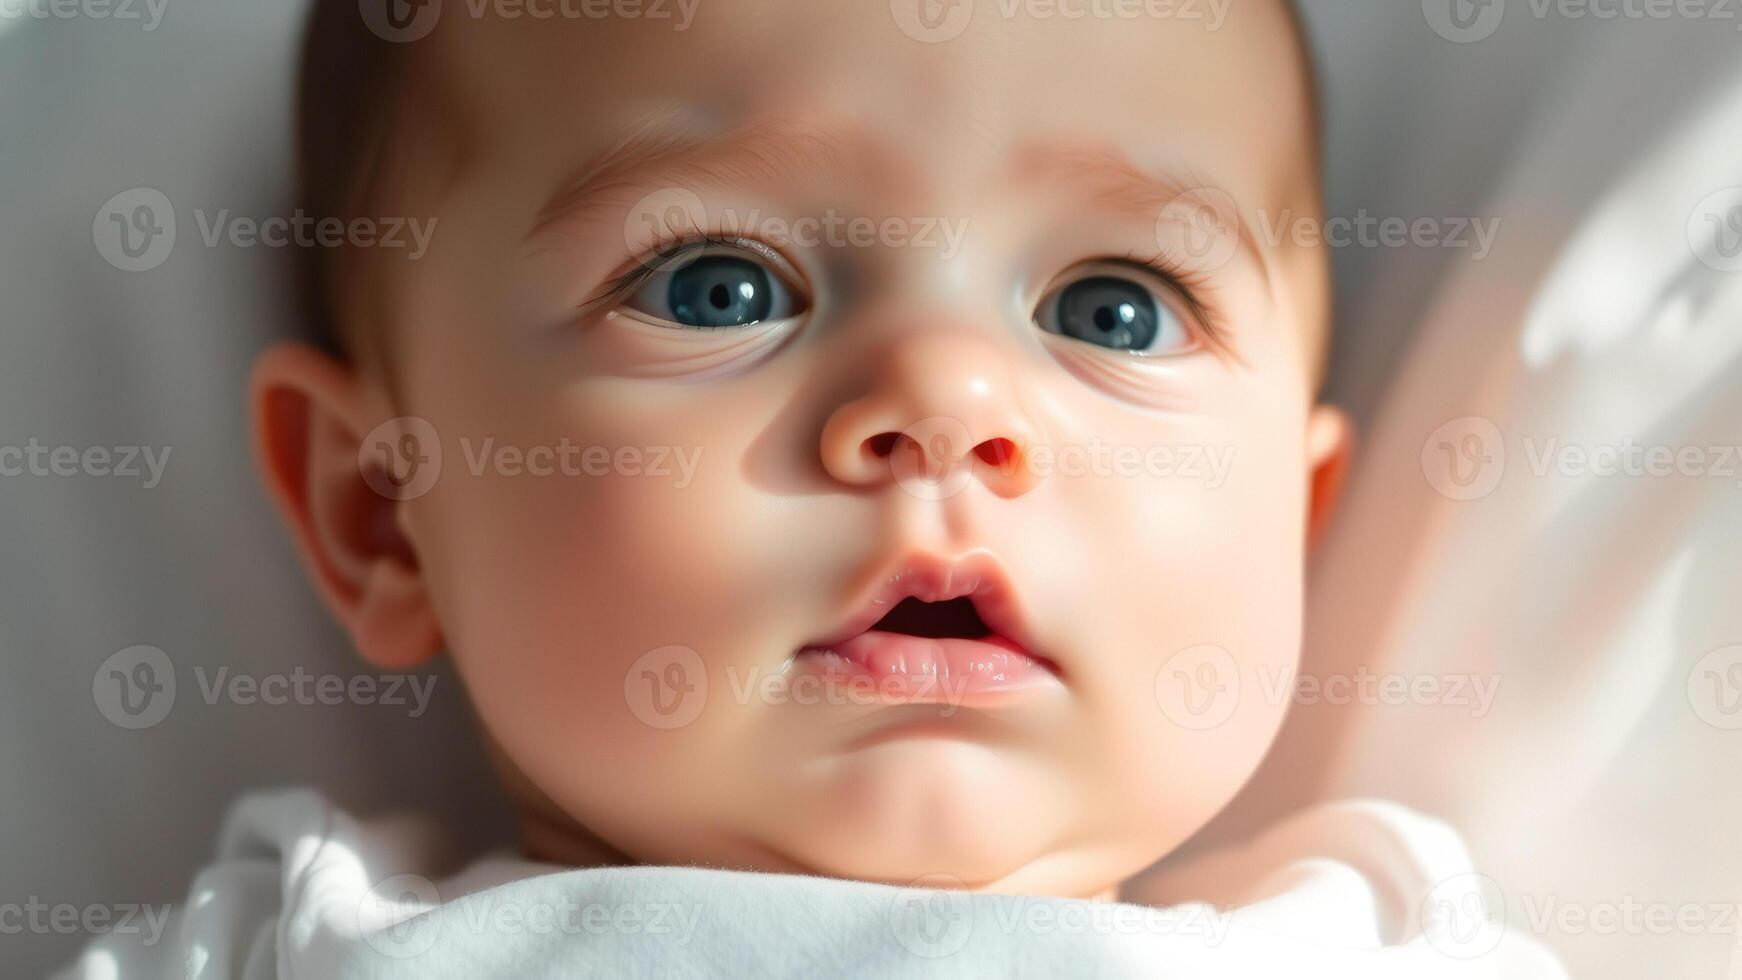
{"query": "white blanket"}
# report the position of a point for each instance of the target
(302, 890)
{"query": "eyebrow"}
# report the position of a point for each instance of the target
(665, 151)
(669, 148)
(1121, 185)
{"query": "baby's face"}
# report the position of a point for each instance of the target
(806, 315)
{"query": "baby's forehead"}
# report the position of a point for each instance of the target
(1223, 92)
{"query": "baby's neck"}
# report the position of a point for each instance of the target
(562, 842)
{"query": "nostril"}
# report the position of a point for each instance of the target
(996, 452)
(882, 444)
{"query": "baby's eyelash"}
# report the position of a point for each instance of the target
(1190, 285)
(618, 287)
(1187, 283)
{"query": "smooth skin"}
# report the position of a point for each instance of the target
(1069, 148)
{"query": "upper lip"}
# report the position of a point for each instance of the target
(977, 576)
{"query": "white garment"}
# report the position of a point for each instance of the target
(302, 890)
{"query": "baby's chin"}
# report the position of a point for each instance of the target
(943, 813)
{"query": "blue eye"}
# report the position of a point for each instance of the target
(1117, 311)
(713, 290)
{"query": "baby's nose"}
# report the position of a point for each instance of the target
(942, 410)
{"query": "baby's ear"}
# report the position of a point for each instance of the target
(1330, 444)
(310, 415)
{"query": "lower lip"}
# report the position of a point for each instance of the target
(897, 668)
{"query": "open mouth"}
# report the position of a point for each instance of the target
(953, 618)
(937, 630)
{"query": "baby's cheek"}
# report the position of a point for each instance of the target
(528, 606)
(1191, 655)
(586, 623)
(574, 584)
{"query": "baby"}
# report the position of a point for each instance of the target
(852, 442)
